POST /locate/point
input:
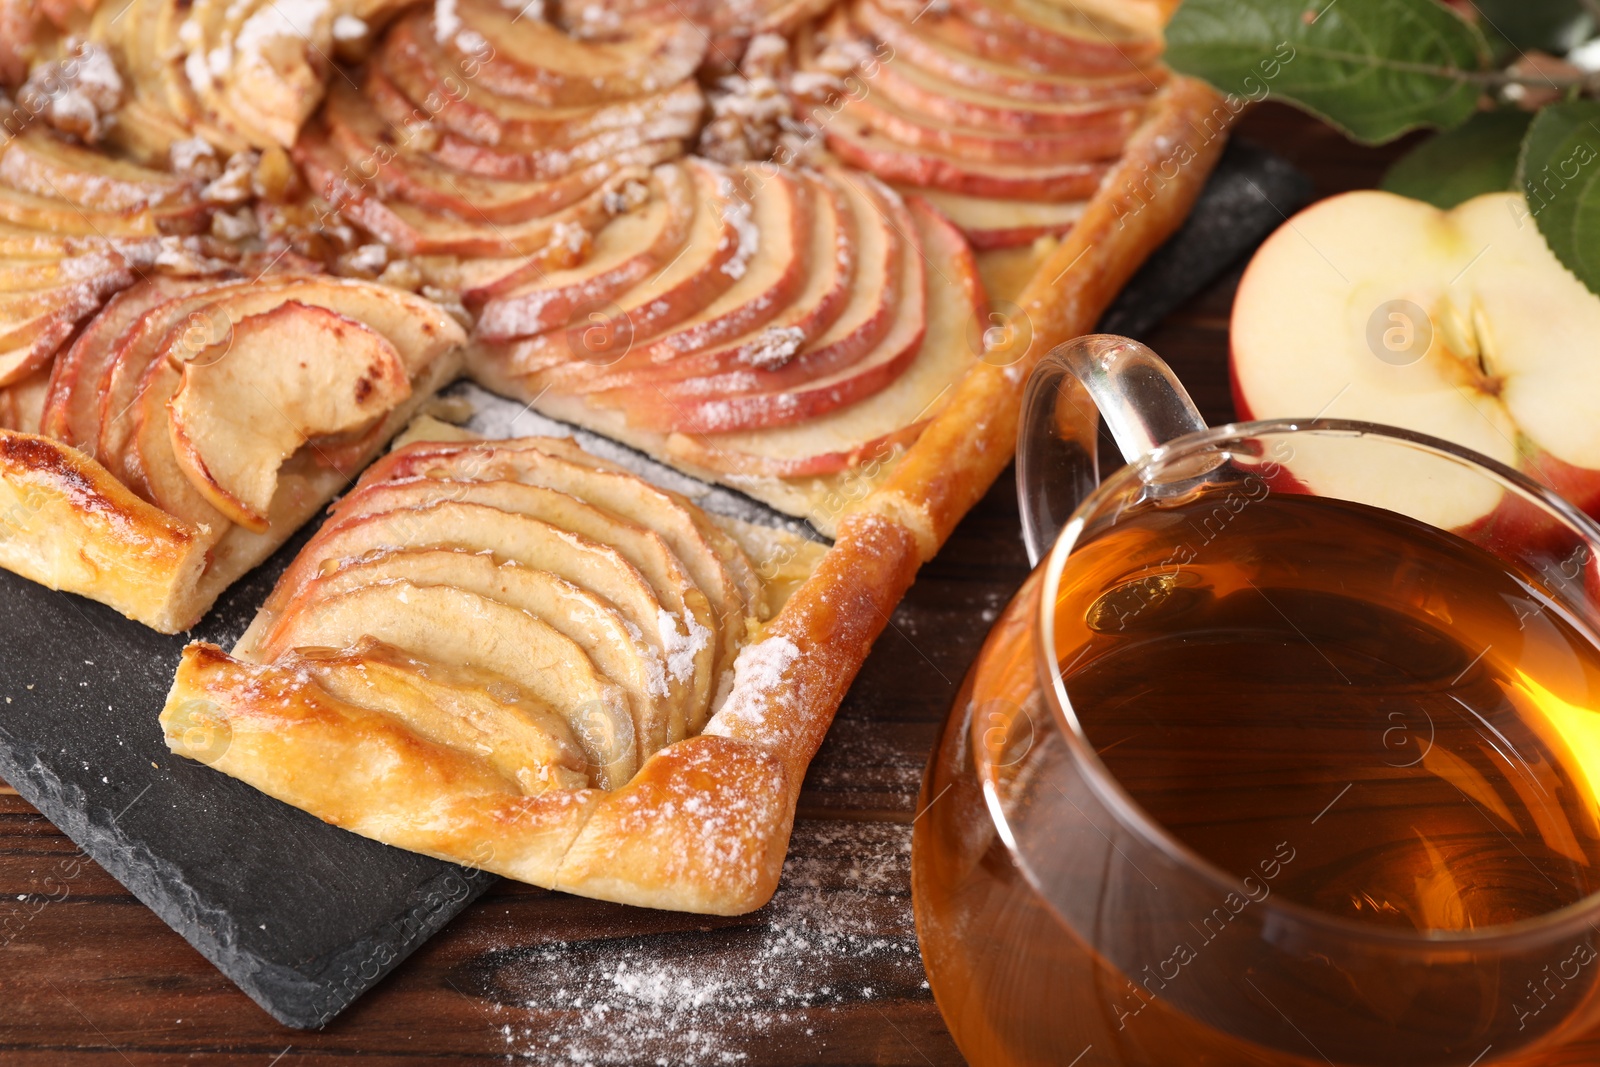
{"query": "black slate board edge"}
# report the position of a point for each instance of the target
(304, 999)
(344, 910)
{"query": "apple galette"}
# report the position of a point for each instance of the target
(483, 627)
(806, 249)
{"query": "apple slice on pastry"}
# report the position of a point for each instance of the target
(280, 379)
(463, 630)
(518, 735)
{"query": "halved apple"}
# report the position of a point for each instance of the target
(462, 708)
(1458, 324)
(282, 378)
(459, 629)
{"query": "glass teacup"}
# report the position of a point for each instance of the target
(1181, 894)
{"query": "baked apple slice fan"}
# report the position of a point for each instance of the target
(741, 238)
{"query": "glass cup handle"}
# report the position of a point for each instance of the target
(1098, 375)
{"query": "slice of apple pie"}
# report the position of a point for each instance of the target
(195, 423)
(482, 640)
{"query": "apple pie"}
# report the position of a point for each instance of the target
(806, 250)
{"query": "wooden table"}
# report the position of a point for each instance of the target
(827, 974)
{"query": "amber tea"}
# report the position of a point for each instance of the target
(1331, 707)
(1411, 717)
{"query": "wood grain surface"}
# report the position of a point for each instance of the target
(827, 974)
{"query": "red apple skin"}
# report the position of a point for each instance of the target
(687, 381)
(717, 411)
(364, 144)
(501, 320)
(1116, 114)
(758, 411)
(910, 44)
(986, 240)
(657, 336)
(987, 28)
(1078, 146)
(906, 165)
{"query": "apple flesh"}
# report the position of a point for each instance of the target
(247, 403)
(1460, 324)
(1013, 110)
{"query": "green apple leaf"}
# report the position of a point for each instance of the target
(1479, 156)
(1373, 68)
(1560, 175)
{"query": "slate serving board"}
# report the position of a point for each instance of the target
(302, 916)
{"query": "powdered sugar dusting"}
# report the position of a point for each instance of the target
(757, 677)
(650, 655)
(838, 932)
(775, 346)
(681, 648)
(738, 215)
(446, 22)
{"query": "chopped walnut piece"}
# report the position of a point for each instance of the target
(629, 196)
(367, 261)
(195, 158)
(236, 183)
(78, 94)
(235, 226)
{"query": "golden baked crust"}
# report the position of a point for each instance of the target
(67, 524)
